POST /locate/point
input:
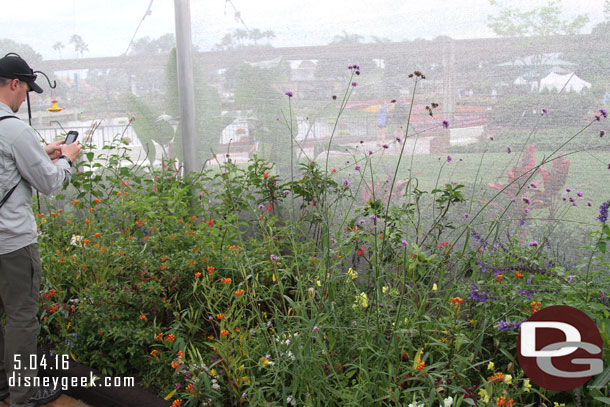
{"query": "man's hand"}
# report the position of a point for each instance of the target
(72, 151)
(53, 149)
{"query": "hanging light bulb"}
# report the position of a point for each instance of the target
(54, 107)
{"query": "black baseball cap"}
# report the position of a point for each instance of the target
(12, 66)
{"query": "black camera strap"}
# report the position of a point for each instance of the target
(9, 193)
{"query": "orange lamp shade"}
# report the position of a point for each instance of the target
(54, 107)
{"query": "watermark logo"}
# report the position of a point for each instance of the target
(560, 348)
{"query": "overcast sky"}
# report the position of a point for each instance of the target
(108, 25)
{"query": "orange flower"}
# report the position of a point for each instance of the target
(175, 364)
(210, 270)
(421, 366)
(163, 258)
(87, 220)
(220, 316)
(192, 263)
(170, 337)
(497, 377)
(226, 280)
(155, 352)
(139, 222)
(224, 332)
(238, 292)
(159, 337)
(163, 266)
(53, 214)
(211, 222)
(75, 202)
(456, 300)
(86, 241)
(143, 317)
(97, 235)
(518, 274)
(197, 274)
(176, 403)
(499, 277)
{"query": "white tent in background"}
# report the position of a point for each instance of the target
(556, 82)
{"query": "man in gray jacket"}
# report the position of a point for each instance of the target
(24, 163)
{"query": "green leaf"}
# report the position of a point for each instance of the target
(603, 399)
(90, 155)
(601, 380)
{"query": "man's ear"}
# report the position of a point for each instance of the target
(14, 83)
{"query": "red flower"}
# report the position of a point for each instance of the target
(211, 222)
(266, 175)
(360, 251)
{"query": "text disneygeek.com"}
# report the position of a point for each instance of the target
(70, 382)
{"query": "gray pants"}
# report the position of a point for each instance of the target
(19, 292)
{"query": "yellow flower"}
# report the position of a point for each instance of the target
(434, 287)
(490, 366)
(318, 283)
(353, 274)
(484, 396)
(508, 379)
(526, 385)
(384, 289)
(213, 372)
(556, 404)
(361, 300)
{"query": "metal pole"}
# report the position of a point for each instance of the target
(184, 62)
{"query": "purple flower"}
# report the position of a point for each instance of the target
(568, 189)
(354, 84)
(273, 257)
(261, 206)
(491, 138)
(589, 203)
(356, 167)
(398, 139)
(445, 124)
(580, 194)
(544, 111)
(602, 133)
(362, 221)
(597, 117)
(370, 152)
(534, 244)
(286, 192)
(466, 215)
(346, 183)
(449, 159)
(385, 146)
(603, 212)
(354, 323)
(316, 328)
(288, 93)
(509, 150)
(404, 243)
(526, 200)
(604, 112)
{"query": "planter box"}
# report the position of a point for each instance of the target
(100, 396)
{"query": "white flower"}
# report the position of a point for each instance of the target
(291, 401)
(448, 402)
(76, 241)
(416, 405)
(215, 384)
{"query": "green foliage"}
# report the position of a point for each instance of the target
(542, 21)
(270, 291)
